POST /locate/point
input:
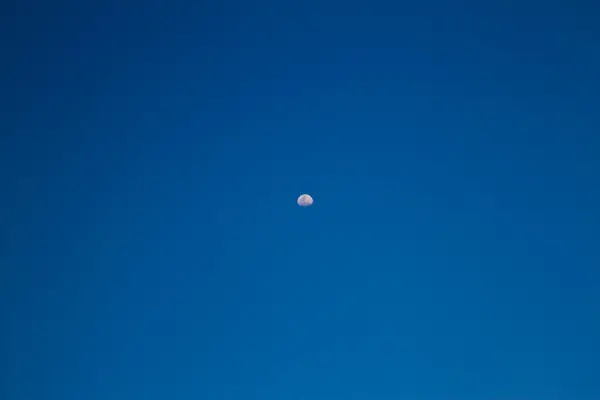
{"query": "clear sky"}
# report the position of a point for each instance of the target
(151, 155)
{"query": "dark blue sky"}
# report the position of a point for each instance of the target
(151, 156)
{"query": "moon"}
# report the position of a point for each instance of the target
(305, 200)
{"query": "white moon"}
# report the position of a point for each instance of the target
(305, 200)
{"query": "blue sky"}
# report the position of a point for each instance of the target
(151, 156)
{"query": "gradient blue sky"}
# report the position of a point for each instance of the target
(151, 155)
